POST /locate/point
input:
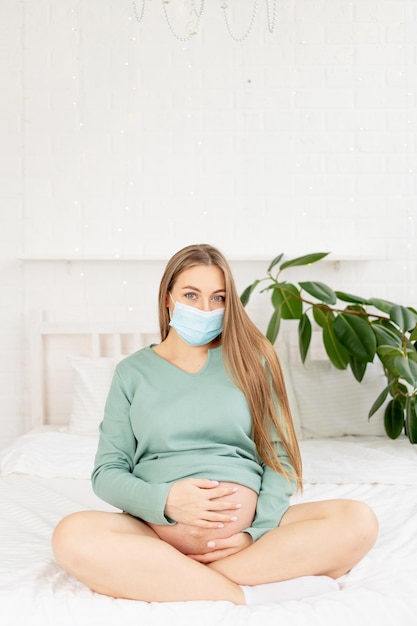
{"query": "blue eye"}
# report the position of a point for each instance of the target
(219, 299)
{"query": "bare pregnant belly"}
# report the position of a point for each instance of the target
(193, 540)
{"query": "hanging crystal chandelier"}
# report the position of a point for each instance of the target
(192, 11)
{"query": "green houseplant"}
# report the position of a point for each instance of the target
(355, 331)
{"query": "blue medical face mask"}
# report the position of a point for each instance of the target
(194, 326)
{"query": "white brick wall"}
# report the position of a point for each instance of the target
(119, 141)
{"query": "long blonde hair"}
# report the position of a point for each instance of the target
(248, 356)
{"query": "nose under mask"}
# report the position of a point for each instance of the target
(196, 327)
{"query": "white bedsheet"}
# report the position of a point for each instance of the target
(381, 590)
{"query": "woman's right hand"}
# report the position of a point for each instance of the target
(195, 502)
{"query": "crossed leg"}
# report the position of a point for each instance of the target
(120, 556)
(316, 538)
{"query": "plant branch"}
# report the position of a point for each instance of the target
(322, 305)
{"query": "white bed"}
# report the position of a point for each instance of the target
(45, 475)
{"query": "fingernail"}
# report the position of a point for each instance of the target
(211, 544)
(214, 482)
(235, 489)
(238, 506)
(233, 519)
(220, 525)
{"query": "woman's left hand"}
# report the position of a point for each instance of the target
(221, 548)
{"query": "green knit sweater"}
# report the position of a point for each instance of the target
(162, 425)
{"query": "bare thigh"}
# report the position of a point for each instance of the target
(352, 527)
(117, 522)
(87, 531)
(351, 512)
(314, 538)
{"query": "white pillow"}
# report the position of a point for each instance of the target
(332, 403)
(91, 378)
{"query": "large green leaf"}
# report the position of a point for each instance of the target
(386, 351)
(356, 335)
(273, 326)
(386, 323)
(394, 418)
(304, 260)
(382, 305)
(386, 335)
(337, 354)
(321, 314)
(348, 297)
(320, 291)
(287, 297)
(304, 335)
(403, 317)
(411, 419)
(246, 293)
(358, 368)
(378, 402)
(388, 363)
(407, 369)
(413, 336)
(274, 262)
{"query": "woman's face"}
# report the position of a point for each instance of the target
(201, 286)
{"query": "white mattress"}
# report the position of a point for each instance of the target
(381, 590)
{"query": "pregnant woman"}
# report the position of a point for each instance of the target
(198, 449)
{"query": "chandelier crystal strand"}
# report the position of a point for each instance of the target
(224, 6)
(191, 27)
(271, 19)
(202, 7)
(196, 9)
(139, 14)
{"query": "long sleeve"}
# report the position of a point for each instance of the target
(113, 479)
(162, 425)
(274, 496)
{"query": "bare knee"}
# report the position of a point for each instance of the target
(361, 527)
(80, 540)
(71, 540)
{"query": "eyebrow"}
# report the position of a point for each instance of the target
(199, 291)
